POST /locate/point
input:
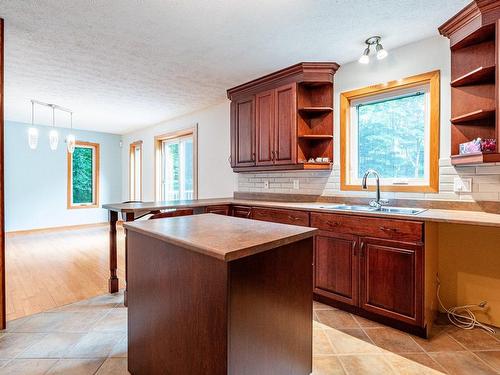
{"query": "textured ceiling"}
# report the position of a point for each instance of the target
(126, 64)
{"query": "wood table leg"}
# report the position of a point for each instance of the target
(129, 216)
(113, 257)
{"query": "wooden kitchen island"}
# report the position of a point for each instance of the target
(211, 294)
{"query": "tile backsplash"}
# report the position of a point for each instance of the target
(485, 183)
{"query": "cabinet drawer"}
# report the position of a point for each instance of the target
(220, 210)
(281, 216)
(404, 230)
(242, 211)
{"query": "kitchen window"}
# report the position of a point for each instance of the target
(176, 166)
(394, 129)
(83, 176)
(135, 171)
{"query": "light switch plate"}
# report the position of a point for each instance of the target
(296, 184)
(266, 184)
(462, 184)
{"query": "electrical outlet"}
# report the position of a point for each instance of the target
(462, 184)
(296, 184)
(266, 184)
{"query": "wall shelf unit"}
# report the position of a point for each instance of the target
(474, 35)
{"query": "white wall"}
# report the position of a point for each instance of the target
(420, 57)
(36, 180)
(215, 176)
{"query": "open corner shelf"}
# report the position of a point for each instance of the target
(480, 114)
(316, 136)
(315, 110)
(317, 166)
(475, 158)
(483, 74)
(474, 78)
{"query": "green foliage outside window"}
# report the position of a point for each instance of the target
(391, 135)
(83, 179)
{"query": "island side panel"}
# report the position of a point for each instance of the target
(270, 312)
(177, 310)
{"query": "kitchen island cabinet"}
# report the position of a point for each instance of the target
(235, 300)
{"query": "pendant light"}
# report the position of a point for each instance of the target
(33, 132)
(53, 134)
(71, 139)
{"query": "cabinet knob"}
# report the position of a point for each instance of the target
(273, 156)
(253, 156)
(362, 249)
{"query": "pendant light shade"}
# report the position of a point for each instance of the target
(71, 139)
(33, 138)
(33, 132)
(53, 139)
(70, 143)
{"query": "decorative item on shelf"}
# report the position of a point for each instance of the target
(489, 145)
(380, 51)
(53, 134)
(311, 160)
(471, 147)
(325, 160)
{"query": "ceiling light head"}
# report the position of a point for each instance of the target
(381, 52)
(53, 139)
(33, 138)
(365, 58)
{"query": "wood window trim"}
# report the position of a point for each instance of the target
(157, 167)
(70, 204)
(131, 181)
(430, 78)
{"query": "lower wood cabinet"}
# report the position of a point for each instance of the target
(391, 279)
(336, 267)
(376, 277)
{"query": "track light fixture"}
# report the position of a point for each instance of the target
(380, 51)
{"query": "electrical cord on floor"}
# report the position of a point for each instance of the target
(462, 316)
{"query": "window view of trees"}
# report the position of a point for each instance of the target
(391, 135)
(83, 179)
(178, 169)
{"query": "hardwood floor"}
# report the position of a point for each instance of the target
(55, 267)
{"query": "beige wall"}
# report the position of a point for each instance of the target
(469, 268)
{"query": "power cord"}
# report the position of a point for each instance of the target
(462, 316)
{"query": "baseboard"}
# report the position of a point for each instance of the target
(54, 229)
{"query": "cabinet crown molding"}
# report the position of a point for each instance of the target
(477, 14)
(301, 72)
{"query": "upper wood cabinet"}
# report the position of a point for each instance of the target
(282, 120)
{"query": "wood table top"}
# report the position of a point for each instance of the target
(223, 237)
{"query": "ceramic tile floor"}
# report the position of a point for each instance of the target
(89, 337)
(348, 344)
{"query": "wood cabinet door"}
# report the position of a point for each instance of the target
(264, 126)
(242, 211)
(336, 267)
(391, 278)
(243, 132)
(285, 124)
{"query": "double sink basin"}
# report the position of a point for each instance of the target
(387, 210)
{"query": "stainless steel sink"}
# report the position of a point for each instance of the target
(388, 210)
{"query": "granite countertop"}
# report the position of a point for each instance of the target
(223, 237)
(434, 215)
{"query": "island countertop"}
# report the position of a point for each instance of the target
(226, 238)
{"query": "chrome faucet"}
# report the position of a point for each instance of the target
(377, 202)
